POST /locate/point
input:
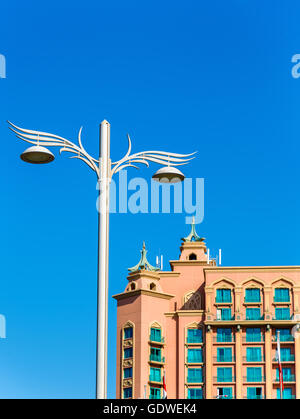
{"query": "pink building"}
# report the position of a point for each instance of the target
(211, 329)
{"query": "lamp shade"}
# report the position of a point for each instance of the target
(37, 155)
(168, 174)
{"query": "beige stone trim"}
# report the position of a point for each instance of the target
(142, 292)
(128, 363)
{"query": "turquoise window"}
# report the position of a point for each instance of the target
(223, 296)
(128, 332)
(254, 374)
(195, 393)
(224, 393)
(127, 372)
(253, 314)
(254, 355)
(194, 375)
(155, 354)
(128, 352)
(286, 394)
(254, 393)
(282, 313)
(286, 374)
(155, 374)
(224, 335)
(253, 334)
(225, 313)
(224, 375)
(155, 334)
(252, 295)
(127, 393)
(224, 355)
(194, 355)
(282, 295)
(194, 336)
(155, 393)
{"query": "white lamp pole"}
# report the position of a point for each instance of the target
(104, 169)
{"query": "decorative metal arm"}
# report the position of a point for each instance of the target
(45, 139)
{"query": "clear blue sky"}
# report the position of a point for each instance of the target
(182, 76)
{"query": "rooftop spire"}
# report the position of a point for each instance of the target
(193, 236)
(143, 263)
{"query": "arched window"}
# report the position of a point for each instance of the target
(132, 286)
(192, 256)
(152, 286)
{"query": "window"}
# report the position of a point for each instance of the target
(155, 374)
(254, 374)
(192, 256)
(194, 355)
(152, 287)
(128, 332)
(286, 374)
(195, 393)
(128, 352)
(282, 313)
(127, 393)
(155, 334)
(194, 375)
(194, 336)
(155, 354)
(284, 335)
(282, 295)
(253, 314)
(286, 394)
(254, 393)
(254, 355)
(127, 372)
(224, 335)
(132, 287)
(253, 334)
(154, 393)
(252, 295)
(224, 375)
(224, 355)
(223, 296)
(224, 314)
(224, 393)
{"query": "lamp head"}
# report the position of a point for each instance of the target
(168, 174)
(37, 155)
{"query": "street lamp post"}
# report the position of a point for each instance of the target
(104, 169)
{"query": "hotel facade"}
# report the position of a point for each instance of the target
(212, 330)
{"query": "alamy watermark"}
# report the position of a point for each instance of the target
(138, 196)
(2, 67)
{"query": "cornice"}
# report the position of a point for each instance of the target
(139, 292)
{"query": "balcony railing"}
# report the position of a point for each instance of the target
(222, 379)
(254, 358)
(278, 299)
(157, 358)
(224, 338)
(289, 397)
(289, 379)
(254, 318)
(284, 338)
(258, 379)
(155, 379)
(223, 300)
(252, 300)
(156, 339)
(198, 360)
(230, 358)
(290, 358)
(261, 397)
(194, 380)
(282, 318)
(223, 318)
(253, 338)
(194, 339)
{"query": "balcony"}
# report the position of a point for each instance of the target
(157, 358)
(157, 339)
(284, 338)
(290, 379)
(261, 397)
(155, 379)
(221, 359)
(253, 359)
(253, 338)
(220, 300)
(194, 380)
(258, 379)
(194, 340)
(253, 299)
(290, 358)
(254, 318)
(283, 318)
(198, 360)
(283, 299)
(223, 379)
(224, 338)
